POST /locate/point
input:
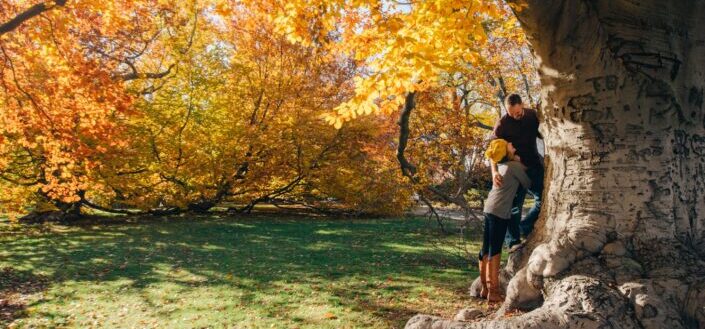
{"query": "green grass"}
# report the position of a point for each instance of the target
(233, 273)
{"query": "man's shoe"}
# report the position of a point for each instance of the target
(516, 247)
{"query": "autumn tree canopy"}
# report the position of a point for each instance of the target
(159, 106)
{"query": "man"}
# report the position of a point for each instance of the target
(520, 126)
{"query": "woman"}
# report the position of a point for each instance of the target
(498, 210)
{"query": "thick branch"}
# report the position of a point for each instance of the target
(407, 168)
(481, 125)
(268, 197)
(28, 14)
(152, 75)
(92, 205)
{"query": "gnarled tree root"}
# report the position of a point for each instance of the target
(588, 296)
(573, 302)
(586, 278)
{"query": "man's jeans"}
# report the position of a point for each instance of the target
(517, 226)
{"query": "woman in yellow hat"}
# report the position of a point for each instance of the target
(497, 211)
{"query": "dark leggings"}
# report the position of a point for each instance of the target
(493, 237)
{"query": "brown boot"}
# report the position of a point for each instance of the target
(494, 294)
(483, 275)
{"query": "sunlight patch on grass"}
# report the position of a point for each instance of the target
(333, 232)
(405, 247)
(322, 246)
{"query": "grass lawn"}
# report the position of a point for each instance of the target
(228, 273)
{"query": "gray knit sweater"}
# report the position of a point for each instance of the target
(499, 201)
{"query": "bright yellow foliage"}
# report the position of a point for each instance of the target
(190, 104)
(403, 47)
(165, 104)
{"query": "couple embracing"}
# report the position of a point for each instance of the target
(517, 169)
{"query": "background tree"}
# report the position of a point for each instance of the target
(150, 106)
(237, 123)
(59, 99)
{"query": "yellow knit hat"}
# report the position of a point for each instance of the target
(497, 150)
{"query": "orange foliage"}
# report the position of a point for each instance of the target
(189, 105)
(150, 104)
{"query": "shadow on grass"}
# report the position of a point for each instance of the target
(15, 286)
(257, 256)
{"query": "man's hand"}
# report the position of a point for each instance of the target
(497, 179)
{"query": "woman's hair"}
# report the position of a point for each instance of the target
(505, 159)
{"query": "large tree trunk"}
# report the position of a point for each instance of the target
(621, 239)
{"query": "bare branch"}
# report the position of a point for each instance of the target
(30, 13)
(158, 75)
(407, 168)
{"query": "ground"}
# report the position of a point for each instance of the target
(214, 272)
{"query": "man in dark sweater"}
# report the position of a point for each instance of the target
(520, 126)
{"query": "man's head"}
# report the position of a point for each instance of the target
(515, 108)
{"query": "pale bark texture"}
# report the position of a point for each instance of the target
(621, 238)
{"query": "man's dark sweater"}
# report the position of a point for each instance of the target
(522, 134)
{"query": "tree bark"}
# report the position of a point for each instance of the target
(621, 238)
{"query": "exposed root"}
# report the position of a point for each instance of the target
(574, 302)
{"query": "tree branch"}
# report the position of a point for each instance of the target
(29, 13)
(135, 75)
(479, 124)
(409, 170)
